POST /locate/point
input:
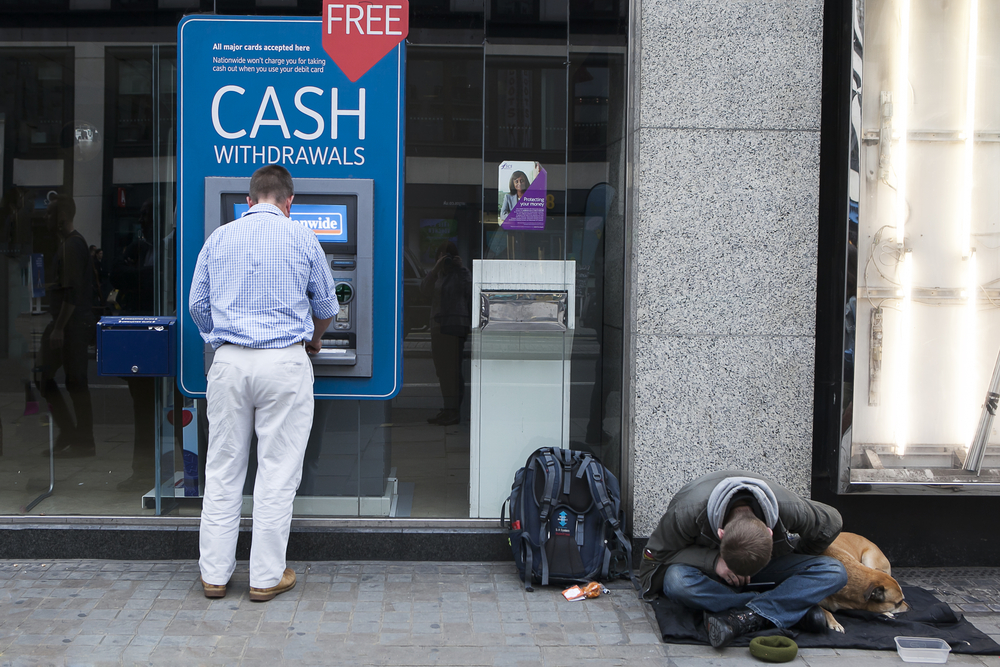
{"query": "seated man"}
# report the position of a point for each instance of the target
(728, 526)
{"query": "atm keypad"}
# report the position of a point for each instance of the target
(339, 348)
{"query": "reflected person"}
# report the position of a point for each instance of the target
(65, 339)
(449, 286)
(10, 207)
(135, 282)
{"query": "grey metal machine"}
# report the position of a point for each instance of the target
(339, 211)
(345, 473)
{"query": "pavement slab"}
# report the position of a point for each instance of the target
(378, 613)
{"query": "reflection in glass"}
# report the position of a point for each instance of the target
(448, 285)
(83, 236)
(95, 122)
(67, 336)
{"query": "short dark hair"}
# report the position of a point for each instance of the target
(272, 181)
(62, 207)
(746, 544)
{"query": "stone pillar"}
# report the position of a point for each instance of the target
(725, 137)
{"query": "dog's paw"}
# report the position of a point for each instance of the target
(832, 623)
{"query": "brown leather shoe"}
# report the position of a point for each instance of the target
(287, 583)
(213, 591)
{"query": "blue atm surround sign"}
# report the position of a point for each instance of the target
(261, 90)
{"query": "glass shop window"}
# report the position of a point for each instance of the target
(444, 100)
(133, 101)
(526, 110)
(922, 341)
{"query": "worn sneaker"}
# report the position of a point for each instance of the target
(287, 583)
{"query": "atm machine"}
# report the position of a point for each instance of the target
(333, 209)
(341, 476)
(348, 191)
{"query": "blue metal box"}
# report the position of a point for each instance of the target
(136, 346)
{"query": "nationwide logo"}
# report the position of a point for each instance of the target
(327, 227)
(327, 221)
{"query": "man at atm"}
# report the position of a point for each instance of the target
(262, 295)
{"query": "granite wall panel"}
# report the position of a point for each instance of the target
(712, 402)
(731, 64)
(724, 221)
(727, 236)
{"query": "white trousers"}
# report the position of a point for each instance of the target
(270, 391)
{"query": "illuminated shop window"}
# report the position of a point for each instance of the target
(923, 324)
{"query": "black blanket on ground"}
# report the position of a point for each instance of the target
(927, 617)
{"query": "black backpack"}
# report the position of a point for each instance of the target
(565, 520)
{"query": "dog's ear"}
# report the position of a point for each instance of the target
(875, 593)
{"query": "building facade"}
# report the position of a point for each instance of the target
(720, 204)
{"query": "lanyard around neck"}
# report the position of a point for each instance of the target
(266, 210)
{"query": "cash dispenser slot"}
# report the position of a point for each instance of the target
(336, 352)
(523, 310)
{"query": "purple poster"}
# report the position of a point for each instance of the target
(522, 192)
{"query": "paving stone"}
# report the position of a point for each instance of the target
(89, 612)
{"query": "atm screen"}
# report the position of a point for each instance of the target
(328, 221)
(333, 218)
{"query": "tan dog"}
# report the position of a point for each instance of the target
(869, 584)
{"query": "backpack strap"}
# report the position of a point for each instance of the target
(551, 467)
(600, 494)
(526, 559)
(565, 459)
(584, 459)
(525, 549)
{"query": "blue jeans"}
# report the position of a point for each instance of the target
(800, 582)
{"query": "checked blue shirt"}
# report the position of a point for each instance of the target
(258, 280)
